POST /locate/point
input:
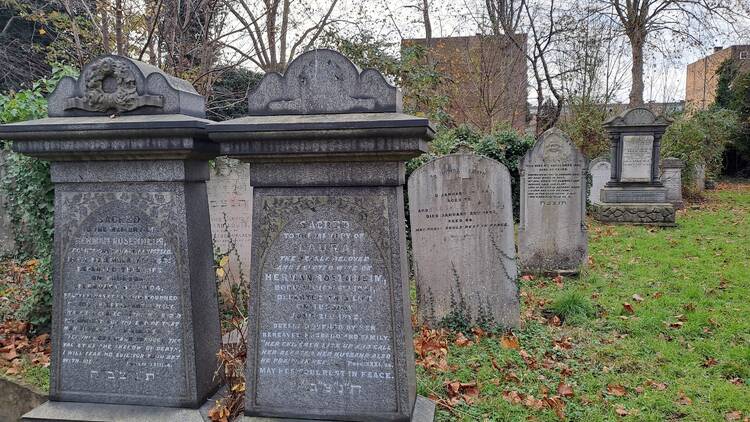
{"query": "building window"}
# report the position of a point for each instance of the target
(744, 55)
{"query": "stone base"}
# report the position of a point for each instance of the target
(61, 411)
(424, 411)
(648, 214)
(634, 194)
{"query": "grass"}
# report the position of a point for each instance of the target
(680, 348)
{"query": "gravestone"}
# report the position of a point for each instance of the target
(634, 193)
(671, 176)
(230, 196)
(600, 171)
(552, 231)
(699, 177)
(7, 242)
(461, 217)
(135, 325)
(329, 329)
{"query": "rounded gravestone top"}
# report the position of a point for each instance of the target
(639, 116)
(598, 160)
(114, 84)
(323, 82)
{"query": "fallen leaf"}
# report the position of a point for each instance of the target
(710, 362)
(656, 385)
(558, 281)
(461, 340)
(527, 277)
(510, 342)
(621, 411)
(556, 321)
(733, 416)
(684, 400)
(616, 390)
(637, 298)
(530, 361)
(512, 397)
(736, 381)
(628, 308)
(564, 390)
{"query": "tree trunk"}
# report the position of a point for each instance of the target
(105, 31)
(118, 28)
(637, 38)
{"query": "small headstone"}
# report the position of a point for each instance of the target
(462, 240)
(135, 319)
(7, 242)
(671, 177)
(699, 177)
(329, 329)
(230, 197)
(600, 171)
(552, 232)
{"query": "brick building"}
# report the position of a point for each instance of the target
(485, 78)
(702, 80)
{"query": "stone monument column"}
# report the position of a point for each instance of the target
(635, 193)
(329, 330)
(135, 327)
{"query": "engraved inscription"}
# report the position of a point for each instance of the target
(122, 312)
(553, 183)
(325, 311)
(636, 158)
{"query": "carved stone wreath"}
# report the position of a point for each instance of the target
(124, 97)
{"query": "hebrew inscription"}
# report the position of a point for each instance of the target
(324, 307)
(122, 310)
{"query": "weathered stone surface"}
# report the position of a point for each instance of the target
(7, 242)
(329, 332)
(323, 82)
(671, 177)
(135, 313)
(647, 214)
(17, 399)
(230, 199)
(636, 158)
(552, 232)
(699, 177)
(600, 171)
(462, 241)
(115, 84)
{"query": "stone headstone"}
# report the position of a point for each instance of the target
(135, 318)
(7, 241)
(635, 193)
(230, 198)
(671, 177)
(552, 232)
(699, 177)
(461, 217)
(329, 329)
(600, 171)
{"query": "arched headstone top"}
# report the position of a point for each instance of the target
(323, 82)
(598, 160)
(635, 117)
(553, 146)
(113, 84)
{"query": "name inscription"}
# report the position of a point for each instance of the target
(636, 158)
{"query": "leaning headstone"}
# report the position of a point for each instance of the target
(7, 242)
(671, 177)
(634, 193)
(135, 325)
(552, 231)
(230, 196)
(329, 331)
(600, 171)
(462, 240)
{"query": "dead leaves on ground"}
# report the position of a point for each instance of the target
(431, 347)
(555, 403)
(15, 346)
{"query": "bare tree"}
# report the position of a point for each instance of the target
(504, 15)
(278, 29)
(684, 20)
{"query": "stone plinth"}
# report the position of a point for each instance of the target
(462, 241)
(552, 235)
(635, 137)
(135, 315)
(329, 331)
(671, 177)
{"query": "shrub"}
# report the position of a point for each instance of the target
(700, 138)
(584, 126)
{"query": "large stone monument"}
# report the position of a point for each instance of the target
(329, 331)
(635, 193)
(552, 232)
(135, 325)
(600, 171)
(462, 241)
(230, 196)
(671, 176)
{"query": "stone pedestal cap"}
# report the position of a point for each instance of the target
(117, 109)
(637, 119)
(323, 106)
(672, 163)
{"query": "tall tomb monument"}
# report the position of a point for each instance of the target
(634, 193)
(135, 325)
(329, 331)
(552, 234)
(462, 241)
